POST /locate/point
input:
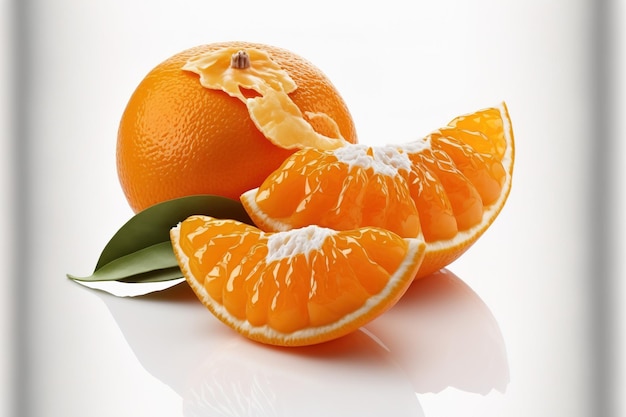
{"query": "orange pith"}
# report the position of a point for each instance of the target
(457, 178)
(250, 75)
(299, 287)
(178, 137)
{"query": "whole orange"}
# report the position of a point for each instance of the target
(178, 138)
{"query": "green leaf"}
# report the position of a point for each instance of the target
(152, 225)
(141, 250)
(156, 262)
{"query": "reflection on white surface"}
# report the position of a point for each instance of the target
(352, 376)
(440, 334)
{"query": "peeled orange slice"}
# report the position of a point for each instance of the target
(447, 187)
(351, 187)
(299, 287)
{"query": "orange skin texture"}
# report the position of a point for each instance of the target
(177, 138)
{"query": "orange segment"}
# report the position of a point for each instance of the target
(494, 123)
(487, 160)
(435, 211)
(481, 169)
(464, 198)
(447, 187)
(353, 186)
(299, 287)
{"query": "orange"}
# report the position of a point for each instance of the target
(457, 180)
(346, 188)
(178, 137)
(300, 287)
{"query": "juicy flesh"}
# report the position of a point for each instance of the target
(455, 173)
(309, 288)
(315, 187)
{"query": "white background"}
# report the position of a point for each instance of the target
(403, 69)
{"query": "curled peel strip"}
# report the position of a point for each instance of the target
(281, 121)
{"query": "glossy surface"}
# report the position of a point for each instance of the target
(453, 176)
(460, 189)
(522, 318)
(317, 187)
(294, 288)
